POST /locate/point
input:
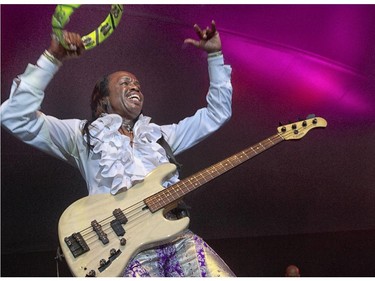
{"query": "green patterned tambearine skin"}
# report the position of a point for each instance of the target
(62, 15)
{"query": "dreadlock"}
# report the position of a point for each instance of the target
(98, 105)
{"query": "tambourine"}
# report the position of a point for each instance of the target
(62, 15)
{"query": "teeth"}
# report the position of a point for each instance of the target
(134, 97)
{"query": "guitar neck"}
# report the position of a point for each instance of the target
(177, 191)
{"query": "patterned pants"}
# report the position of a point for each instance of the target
(187, 255)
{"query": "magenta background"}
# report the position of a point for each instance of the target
(288, 61)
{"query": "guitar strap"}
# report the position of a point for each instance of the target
(169, 152)
(182, 210)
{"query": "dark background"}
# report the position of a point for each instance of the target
(309, 202)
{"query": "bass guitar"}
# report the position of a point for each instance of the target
(99, 234)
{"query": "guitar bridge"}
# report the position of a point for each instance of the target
(77, 245)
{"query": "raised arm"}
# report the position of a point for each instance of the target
(20, 114)
(207, 120)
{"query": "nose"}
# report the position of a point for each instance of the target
(134, 87)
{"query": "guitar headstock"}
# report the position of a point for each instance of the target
(299, 129)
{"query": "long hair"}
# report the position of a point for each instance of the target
(98, 105)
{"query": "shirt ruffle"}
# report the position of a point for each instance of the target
(122, 165)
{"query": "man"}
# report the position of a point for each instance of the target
(120, 146)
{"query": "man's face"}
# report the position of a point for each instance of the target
(125, 94)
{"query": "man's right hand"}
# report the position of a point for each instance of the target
(209, 39)
(73, 40)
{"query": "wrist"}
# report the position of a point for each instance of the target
(52, 57)
(215, 54)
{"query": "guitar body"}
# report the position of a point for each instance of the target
(143, 229)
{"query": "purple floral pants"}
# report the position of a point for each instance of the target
(188, 255)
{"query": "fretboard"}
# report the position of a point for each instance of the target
(177, 191)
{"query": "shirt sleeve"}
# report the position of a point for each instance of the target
(20, 114)
(207, 120)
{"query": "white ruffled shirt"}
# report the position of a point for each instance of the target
(113, 164)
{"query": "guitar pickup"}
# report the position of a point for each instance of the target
(99, 231)
(77, 245)
(119, 220)
(117, 228)
(120, 216)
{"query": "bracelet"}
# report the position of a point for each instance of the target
(51, 58)
(215, 54)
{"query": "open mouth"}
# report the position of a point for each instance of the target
(134, 97)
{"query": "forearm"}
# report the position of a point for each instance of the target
(19, 114)
(219, 97)
(207, 120)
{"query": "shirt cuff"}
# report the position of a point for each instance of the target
(41, 74)
(216, 60)
(217, 70)
(47, 65)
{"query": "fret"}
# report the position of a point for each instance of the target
(214, 170)
(172, 194)
(269, 143)
(177, 189)
(237, 160)
(262, 145)
(190, 187)
(244, 153)
(254, 150)
(223, 168)
(201, 174)
(196, 182)
(167, 193)
(190, 181)
(207, 174)
(218, 169)
(225, 165)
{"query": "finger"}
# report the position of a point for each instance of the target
(73, 40)
(78, 41)
(212, 32)
(209, 34)
(213, 26)
(206, 33)
(198, 30)
(68, 41)
(192, 42)
(80, 51)
(74, 54)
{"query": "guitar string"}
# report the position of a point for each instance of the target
(216, 169)
(203, 175)
(265, 144)
(127, 212)
(129, 225)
